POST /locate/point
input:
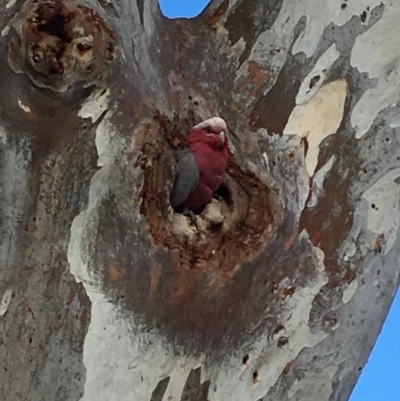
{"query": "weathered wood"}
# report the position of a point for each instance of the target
(109, 295)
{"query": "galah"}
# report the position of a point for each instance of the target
(201, 167)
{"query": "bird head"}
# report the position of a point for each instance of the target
(212, 131)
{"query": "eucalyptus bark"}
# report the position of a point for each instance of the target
(106, 294)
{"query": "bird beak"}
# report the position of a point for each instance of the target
(222, 137)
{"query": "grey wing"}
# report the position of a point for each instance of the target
(186, 179)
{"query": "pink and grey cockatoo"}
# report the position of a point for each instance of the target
(201, 167)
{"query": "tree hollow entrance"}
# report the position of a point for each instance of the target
(247, 212)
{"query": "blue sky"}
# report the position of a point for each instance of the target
(182, 8)
(380, 379)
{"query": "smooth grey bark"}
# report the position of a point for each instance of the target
(106, 294)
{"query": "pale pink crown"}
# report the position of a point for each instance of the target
(216, 123)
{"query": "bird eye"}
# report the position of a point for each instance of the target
(208, 129)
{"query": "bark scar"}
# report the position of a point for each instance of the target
(62, 43)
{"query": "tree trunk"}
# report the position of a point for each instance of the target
(106, 294)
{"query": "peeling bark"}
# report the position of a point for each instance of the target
(105, 293)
